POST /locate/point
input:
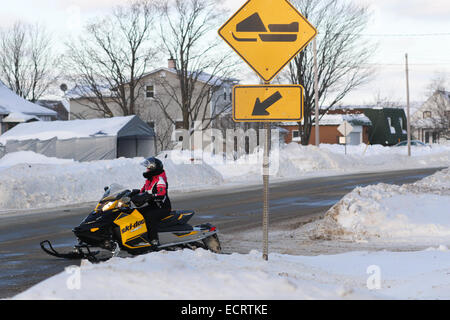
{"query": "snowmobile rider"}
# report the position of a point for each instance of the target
(154, 194)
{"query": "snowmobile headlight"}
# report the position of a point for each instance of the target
(108, 206)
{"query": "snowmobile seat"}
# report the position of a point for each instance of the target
(176, 218)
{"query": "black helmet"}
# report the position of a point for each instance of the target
(154, 166)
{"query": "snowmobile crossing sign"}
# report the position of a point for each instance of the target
(267, 35)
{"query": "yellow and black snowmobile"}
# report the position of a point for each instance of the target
(116, 225)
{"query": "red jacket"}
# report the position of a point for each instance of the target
(157, 186)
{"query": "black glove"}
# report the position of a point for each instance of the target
(134, 192)
(141, 198)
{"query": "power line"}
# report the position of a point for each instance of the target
(411, 64)
(392, 35)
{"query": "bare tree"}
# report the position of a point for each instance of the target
(439, 102)
(28, 64)
(109, 61)
(341, 55)
(189, 36)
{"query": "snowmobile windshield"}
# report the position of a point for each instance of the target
(113, 192)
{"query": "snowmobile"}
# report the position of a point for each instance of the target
(116, 225)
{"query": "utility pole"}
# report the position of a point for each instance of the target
(316, 92)
(408, 122)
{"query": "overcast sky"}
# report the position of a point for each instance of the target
(420, 28)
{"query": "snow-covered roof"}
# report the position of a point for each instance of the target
(46, 130)
(203, 76)
(428, 123)
(337, 119)
(11, 102)
(19, 117)
(78, 92)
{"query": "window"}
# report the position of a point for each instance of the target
(426, 114)
(224, 94)
(296, 135)
(402, 125)
(178, 125)
(150, 91)
(392, 129)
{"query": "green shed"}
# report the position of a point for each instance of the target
(388, 125)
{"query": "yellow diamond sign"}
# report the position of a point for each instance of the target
(267, 34)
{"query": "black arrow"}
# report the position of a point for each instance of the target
(260, 107)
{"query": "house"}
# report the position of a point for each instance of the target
(15, 110)
(328, 129)
(55, 103)
(371, 124)
(431, 122)
(158, 101)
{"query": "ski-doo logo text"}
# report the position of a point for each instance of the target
(133, 226)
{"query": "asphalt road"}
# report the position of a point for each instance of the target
(23, 264)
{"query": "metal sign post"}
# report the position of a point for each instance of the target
(266, 170)
(345, 128)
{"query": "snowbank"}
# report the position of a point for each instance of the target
(418, 212)
(204, 275)
(34, 181)
(29, 157)
(45, 182)
(293, 161)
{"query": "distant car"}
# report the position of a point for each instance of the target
(413, 143)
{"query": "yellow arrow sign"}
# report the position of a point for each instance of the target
(267, 34)
(267, 103)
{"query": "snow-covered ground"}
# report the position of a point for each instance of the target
(204, 275)
(413, 217)
(29, 180)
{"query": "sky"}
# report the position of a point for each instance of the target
(420, 28)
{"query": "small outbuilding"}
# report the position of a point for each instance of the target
(83, 140)
(328, 129)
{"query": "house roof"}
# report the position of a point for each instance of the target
(446, 94)
(202, 77)
(11, 102)
(428, 123)
(86, 92)
(45, 130)
(15, 117)
(78, 92)
(337, 119)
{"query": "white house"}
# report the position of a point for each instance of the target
(15, 110)
(431, 122)
(159, 101)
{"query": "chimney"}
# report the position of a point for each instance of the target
(172, 63)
